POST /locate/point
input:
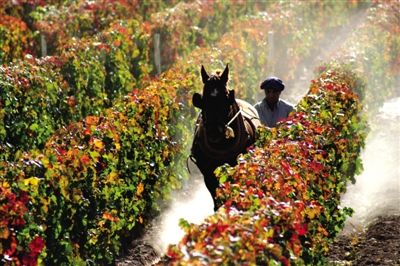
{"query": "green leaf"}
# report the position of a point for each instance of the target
(184, 224)
(34, 127)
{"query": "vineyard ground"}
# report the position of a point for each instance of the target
(379, 245)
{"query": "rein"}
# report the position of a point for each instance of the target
(239, 144)
(229, 133)
(234, 117)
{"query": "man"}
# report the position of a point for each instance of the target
(272, 109)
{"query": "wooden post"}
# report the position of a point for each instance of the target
(43, 45)
(157, 53)
(271, 53)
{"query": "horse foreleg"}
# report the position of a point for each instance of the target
(212, 184)
(207, 169)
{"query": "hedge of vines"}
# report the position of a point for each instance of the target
(86, 75)
(183, 26)
(15, 38)
(95, 181)
(281, 202)
(59, 21)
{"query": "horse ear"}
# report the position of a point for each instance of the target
(204, 75)
(224, 76)
(231, 96)
(197, 100)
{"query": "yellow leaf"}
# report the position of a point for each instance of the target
(5, 184)
(4, 233)
(355, 240)
(98, 144)
(311, 212)
(34, 181)
(117, 146)
(77, 195)
(112, 177)
(31, 182)
(45, 162)
(45, 204)
(269, 233)
(64, 186)
(140, 189)
(101, 223)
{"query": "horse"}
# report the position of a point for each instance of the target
(225, 128)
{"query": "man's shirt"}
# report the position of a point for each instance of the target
(270, 117)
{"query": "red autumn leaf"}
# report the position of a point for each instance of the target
(173, 253)
(301, 229)
(19, 221)
(109, 216)
(117, 43)
(85, 159)
(284, 261)
(24, 197)
(316, 166)
(36, 245)
(286, 167)
(29, 260)
(296, 245)
(87, 131)
(318, 129)
(329, 87)
(71, 101)
(222, 227)
(61, 151)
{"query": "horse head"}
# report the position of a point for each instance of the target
(217, 105)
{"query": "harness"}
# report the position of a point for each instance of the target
(246, 135)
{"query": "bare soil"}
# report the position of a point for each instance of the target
(140, 254)
(379, 245)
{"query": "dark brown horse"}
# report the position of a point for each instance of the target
(225, 128)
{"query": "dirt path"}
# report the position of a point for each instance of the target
(378, 245)
(164, 229)
(141, 254)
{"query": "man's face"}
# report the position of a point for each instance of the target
(272, 96)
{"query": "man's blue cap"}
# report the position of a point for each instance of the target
(272, 83)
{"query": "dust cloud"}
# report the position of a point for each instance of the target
(377, 189)
(192, 203)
